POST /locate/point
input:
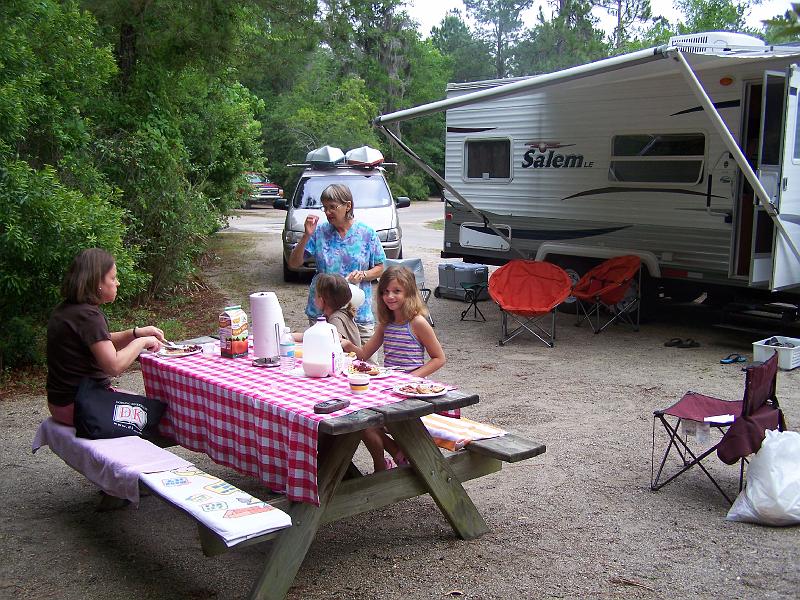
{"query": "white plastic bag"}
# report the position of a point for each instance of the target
(772, 494)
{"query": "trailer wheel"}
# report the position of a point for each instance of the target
(436, 292)
(575, 267)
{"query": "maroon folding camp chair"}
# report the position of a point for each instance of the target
(756, 412)
(527, 291)
(609, 286)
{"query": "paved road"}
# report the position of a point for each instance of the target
(413, 220)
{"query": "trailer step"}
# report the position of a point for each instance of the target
(776, 311)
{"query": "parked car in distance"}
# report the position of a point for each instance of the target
(374, 205)
(262, 190)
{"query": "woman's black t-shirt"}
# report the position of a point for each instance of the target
(71, 331)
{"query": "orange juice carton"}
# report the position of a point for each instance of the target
(233, 332)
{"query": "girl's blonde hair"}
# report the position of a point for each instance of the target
(335, 292)
(413, 305)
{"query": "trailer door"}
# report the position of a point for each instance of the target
(786, 266)
(768, 172)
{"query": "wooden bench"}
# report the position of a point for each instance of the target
(95, 458)
(509, 448)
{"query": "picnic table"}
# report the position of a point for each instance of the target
(261, 423)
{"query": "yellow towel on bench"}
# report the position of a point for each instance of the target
(454, 434)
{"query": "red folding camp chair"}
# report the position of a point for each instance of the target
(741, 436)
(528, 291)
(609, 286)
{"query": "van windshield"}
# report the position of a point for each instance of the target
(369, 191)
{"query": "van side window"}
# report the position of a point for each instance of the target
(657, 158)
(487, 159)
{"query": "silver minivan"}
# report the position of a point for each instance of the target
(373, 204)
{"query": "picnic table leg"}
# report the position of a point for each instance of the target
(443, 485)
(290, 547)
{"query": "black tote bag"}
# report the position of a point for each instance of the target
(101, 413)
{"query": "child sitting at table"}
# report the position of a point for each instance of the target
(406, 335)
(333, 299)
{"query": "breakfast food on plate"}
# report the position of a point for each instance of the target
(360, 366)
(180, 350)
(421, 388)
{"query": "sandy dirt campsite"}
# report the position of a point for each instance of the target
(576, 522)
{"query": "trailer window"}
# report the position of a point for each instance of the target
(657, 158)
(488, 159)
(797, 133)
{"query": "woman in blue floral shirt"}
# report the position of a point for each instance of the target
(342, 246)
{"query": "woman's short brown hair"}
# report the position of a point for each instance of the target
(339, 193)
(82, 282)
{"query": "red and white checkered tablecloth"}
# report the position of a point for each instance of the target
(258, 421)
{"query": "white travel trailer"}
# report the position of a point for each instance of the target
(687, 155)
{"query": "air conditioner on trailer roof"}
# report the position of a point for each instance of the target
(716, 42)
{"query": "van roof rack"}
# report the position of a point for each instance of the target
(330, 157)
(315, 166)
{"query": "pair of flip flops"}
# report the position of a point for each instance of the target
(681, 343)
(773, 341)
(733, 358)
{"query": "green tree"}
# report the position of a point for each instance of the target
(468, 56)
(629, 14)
(376, 42)
(501, 26)
(569, 38)
(320, 109)
(54, 201)
(714, 15)
(181, 128)
(784, 28)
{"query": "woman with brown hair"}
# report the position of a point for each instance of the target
(79, 343)
(342, 246)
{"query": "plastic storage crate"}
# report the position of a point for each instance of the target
(788, 358)
(452, 275)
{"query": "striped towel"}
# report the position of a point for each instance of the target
(454, 434)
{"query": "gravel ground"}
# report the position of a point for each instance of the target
(578, 521)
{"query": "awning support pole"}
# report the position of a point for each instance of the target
(438, 179)
(733, 148)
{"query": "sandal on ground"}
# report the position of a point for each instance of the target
(401, 459)
(673, 342)
(689, 343)
(389, 463)
(733, 358)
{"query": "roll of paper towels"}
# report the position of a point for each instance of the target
(265, 315)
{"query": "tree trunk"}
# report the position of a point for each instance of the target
(126, 54)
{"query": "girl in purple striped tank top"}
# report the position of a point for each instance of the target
(406, 336)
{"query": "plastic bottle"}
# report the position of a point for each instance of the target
(287, 350)
(322, 350)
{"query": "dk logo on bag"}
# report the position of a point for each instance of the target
(132, 416)
(101, 413)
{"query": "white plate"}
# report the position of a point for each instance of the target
(384, 372)
(173, 351)
(397, 390)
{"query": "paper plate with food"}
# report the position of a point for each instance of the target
(176, 350)
(420, 390)
(374, 371)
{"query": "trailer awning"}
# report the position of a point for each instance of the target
(601, 66)
(635, 65)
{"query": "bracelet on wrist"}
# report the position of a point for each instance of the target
(134, 333)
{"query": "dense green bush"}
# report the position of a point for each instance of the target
(43, 225)
(138, 153)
